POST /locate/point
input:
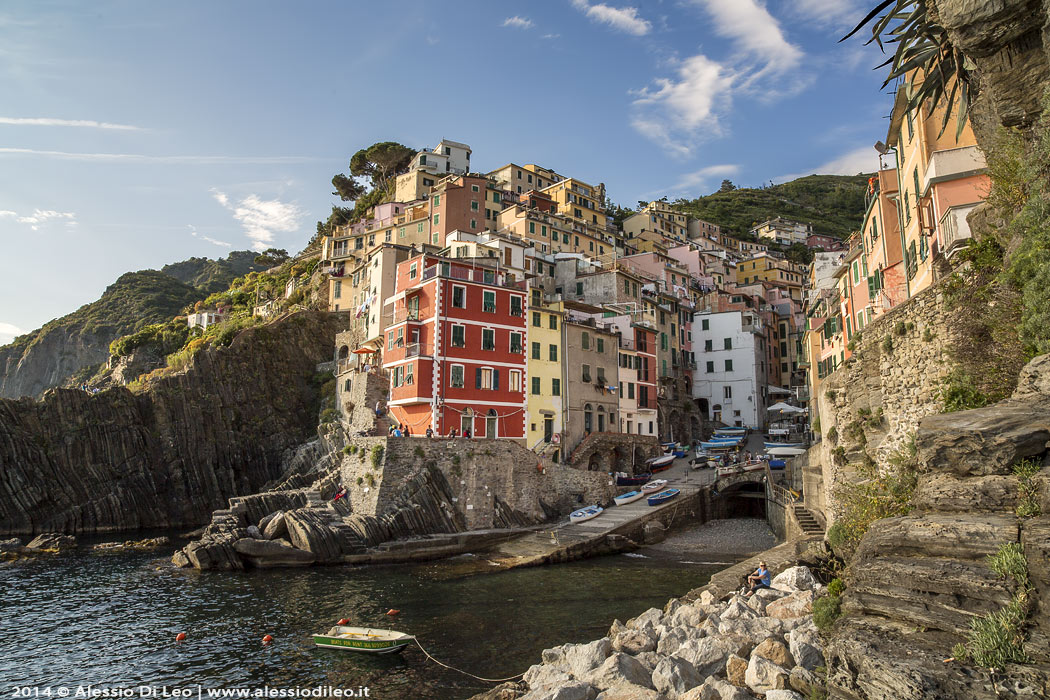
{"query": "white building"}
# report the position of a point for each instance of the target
(783, 231)
(203, 319)
(446, 158)
(730, 381)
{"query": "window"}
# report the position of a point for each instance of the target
(601, 376)
(459, 297)
(413, 271)
(579, 288)
(705, 324)
(535, 350)
(515, 380)
(474, 205)
(537, 319)
(337, 289)
(630, 390)
(473, 223)
(515, 343)
(729, 365)
(586, 373)
(728, 342)
(585, 341)
(419, 227)
(553, 322)
(489, 302)
(727, 392)
(555, 387)
(459, 339)
(437, 198)
(437, 219)
(486, 378)
(475, 188)
(711, 366)
(663, 341)
(709, 345)
(553, 352)
(488, 339)
(515, 306)
(601, 344)
(409, 379)
(536, 386)
(532, 227)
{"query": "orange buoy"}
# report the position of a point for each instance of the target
(392, 612)
(181, 636)
(343, 621)
(267, 639)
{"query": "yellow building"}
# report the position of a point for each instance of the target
(414, 185)
(660, 222)
(546, 383)
(520, 179)
(777, 271)
(579, 201)
(552, 233)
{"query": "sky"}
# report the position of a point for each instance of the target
(135, 134)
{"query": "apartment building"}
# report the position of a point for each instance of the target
(591, 376)
(546, 377)
(521, 179)
(732, 378)
(783, 231)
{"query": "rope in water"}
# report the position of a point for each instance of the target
(452, 668)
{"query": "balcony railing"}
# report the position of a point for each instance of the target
(955, 229)
(415, 350)
(406, 315)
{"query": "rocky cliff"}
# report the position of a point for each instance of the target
(169, 456)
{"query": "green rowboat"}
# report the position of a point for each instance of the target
(362, 639)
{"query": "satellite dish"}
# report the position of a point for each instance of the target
(882, 148)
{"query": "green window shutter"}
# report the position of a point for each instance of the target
(477, 378)
(536, 385)
(495, 380)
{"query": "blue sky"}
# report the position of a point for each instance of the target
(133, 134)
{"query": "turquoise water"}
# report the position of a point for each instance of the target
(111, 620)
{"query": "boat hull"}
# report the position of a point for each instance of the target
(662, 497)
(364, 641)
(654, 486)
(629, 497)
(636, 480)
(771, 445)
(585, 514)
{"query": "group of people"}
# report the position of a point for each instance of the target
(400, 430)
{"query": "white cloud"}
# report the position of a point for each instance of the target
(754, 31)
(262, 218)
(176, 160)
(518, 22)
(550, 36)
(699, 178)
(8, 332)
(42, 121)
(625, 19)
(862, 159)
(195, 234)
(830, 12)
(40, 217)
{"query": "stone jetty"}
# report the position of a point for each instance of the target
(732, 647)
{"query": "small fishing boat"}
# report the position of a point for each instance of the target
(583, 514)
(777, 464)
(771, 445)
(730, 431)
(663, 497)
(657, 464)
(726, 438)
(680, 453)
(625, 479)
(654, 485)
(364, 639)
(720, 444)
(629, 497)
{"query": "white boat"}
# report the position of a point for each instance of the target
(583, 514)
(654, 485)
(629, 497)
(364, 639)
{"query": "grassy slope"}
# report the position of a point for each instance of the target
(834, 204)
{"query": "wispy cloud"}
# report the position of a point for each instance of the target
(40, 217)
(837, 13)
(624, 19)
(8, 332)
(550, 36)
(174, 160)
(702, 177)
(862, 159)
(679, 111)
(518, 22)
(42, 121)
(196, 234)
(262, 218)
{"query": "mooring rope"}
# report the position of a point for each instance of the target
(452, 668)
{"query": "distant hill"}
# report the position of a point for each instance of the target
(65, 346)
(834, 204)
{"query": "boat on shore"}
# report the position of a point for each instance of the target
(654, 485)
(366, 640)
(625, 479)
(659, 464)
(719, 445)
(662, 497)
(629, 497)
(584, 514)
(740, 467)
(771, 445)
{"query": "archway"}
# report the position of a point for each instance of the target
(491, 425)
(694, 425)
(588, 418)
(344, 352)
(594, 462)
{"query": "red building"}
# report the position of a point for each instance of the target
(455, 350)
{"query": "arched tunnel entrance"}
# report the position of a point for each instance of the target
(742, 500)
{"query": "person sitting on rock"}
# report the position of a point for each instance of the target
(759, 579)
(430, 432)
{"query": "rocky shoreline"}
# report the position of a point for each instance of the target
(709, 647)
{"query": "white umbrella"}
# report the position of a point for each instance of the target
(781, 406)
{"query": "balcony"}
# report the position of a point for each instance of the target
(416, 350)
(955, 229)
(402, 315)
(952, 164)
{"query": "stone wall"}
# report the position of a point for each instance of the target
(902, 383)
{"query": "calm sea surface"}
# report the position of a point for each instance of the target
(111, 620)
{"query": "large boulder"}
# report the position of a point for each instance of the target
(12, 545)
(982, 441)
(783, 695)
(210, 554)
(627, 691)
(266, 554)
(52, 542)
(806, 649)
(310, 531)
(737, 609)
(619, 669)
(633, 642)
(797, 578)
(708, 655)
(776, 652)
(273, 526)
(578, 659)
(763, 675)
(736, 670)
(716, 689)
(674, 675)
(574, 690)
(795, 605)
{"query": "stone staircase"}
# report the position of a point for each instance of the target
(806, 521)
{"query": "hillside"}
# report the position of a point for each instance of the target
(834, 204)
(66, 346)
(213, 275)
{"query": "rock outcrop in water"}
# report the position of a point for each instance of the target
(171, 455)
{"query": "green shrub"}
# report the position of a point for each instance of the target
(830, 394)
(371, 479)
(959, 392)
(826, 610)
(836, 587)
(909, 326)
(833, 434)
(1009, 562)
(1027, 489)
(999, 637)
(329, 415)
(377, 456)
(927, 335)
(419, 452)
(887, 345)
(900, 328)
(815, 427)
(346, 450)
(360, 480)
(353, 449)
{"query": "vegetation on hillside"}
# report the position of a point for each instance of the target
(834, 204)
(213, 275)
